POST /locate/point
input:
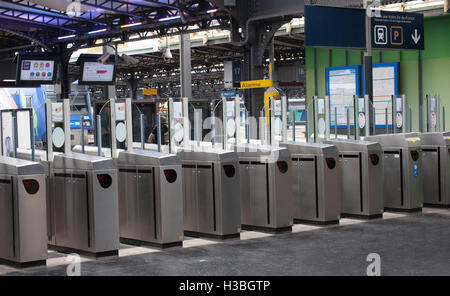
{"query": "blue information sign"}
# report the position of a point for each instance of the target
(228, 94)
(335, 27)
(397, 30)
(346, 28)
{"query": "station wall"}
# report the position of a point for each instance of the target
(435, 76)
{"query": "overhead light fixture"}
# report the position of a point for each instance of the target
(205, 39)
(130, 25)
(66, 37)
(9, 80)
(169, 18)
(289, 28)
(167, 54)
(97, 31)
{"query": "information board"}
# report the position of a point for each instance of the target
(385, 84)
(94, 72)
(342, 84)
(35, 69)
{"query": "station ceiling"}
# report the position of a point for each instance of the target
(50, 24)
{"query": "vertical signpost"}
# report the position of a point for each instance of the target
(368, 71)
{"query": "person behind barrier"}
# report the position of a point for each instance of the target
(153, 138)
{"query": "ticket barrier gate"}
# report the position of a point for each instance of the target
(211, 192)
(361, 165)
(403, 181)
(150, 199)
(23, 237)
(85, 205)
(41, 157)
(435, 160)
(266, 188)
(316, 182)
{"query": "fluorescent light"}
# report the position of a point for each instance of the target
(9, 80)
(169, 18)
(212, 11)
(130, 25)
(97, 31)
(66, 37)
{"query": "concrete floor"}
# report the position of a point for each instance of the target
(409, 244)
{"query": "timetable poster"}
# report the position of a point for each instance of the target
(385, 84)
(342, 85)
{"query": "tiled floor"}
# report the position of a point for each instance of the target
(409, 244)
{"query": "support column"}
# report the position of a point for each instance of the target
(368, 80)
(185, 66)
(64, 56)
(420, 86)
(110, 90)
(133, 86)
(254, 68)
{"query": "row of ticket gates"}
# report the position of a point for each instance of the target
(89, 204)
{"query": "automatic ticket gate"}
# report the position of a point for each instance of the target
(266, 188)
(435, 161)
(211, 192)
(361, 165)
(23, 225)
(403, 181)
(85, 204)
(41, 157)
(316, 182)
(150, 198)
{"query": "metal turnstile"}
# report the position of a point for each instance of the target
(85, 204)
(150, 198)
(23, 224)
(41, 157)
(403, 181)
(266, 188)
(316, 182)
(361, 165)
(436, 166)
(211, 192)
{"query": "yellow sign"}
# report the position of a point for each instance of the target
(256, 84)
(150, 92)
(270, 94)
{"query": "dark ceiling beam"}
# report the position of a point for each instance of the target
(181, 27)
(278, 42)
(14, 30)
(40, 9)
(11, 11)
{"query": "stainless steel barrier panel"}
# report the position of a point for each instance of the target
(361, 163)
(316, 182)
(85, 204)
(266, 188)
(435, 161)
(211, 192)
(23, 226)
(41, 157)
(403, 177)
(150, 198)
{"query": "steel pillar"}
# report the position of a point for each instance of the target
(185, 66)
